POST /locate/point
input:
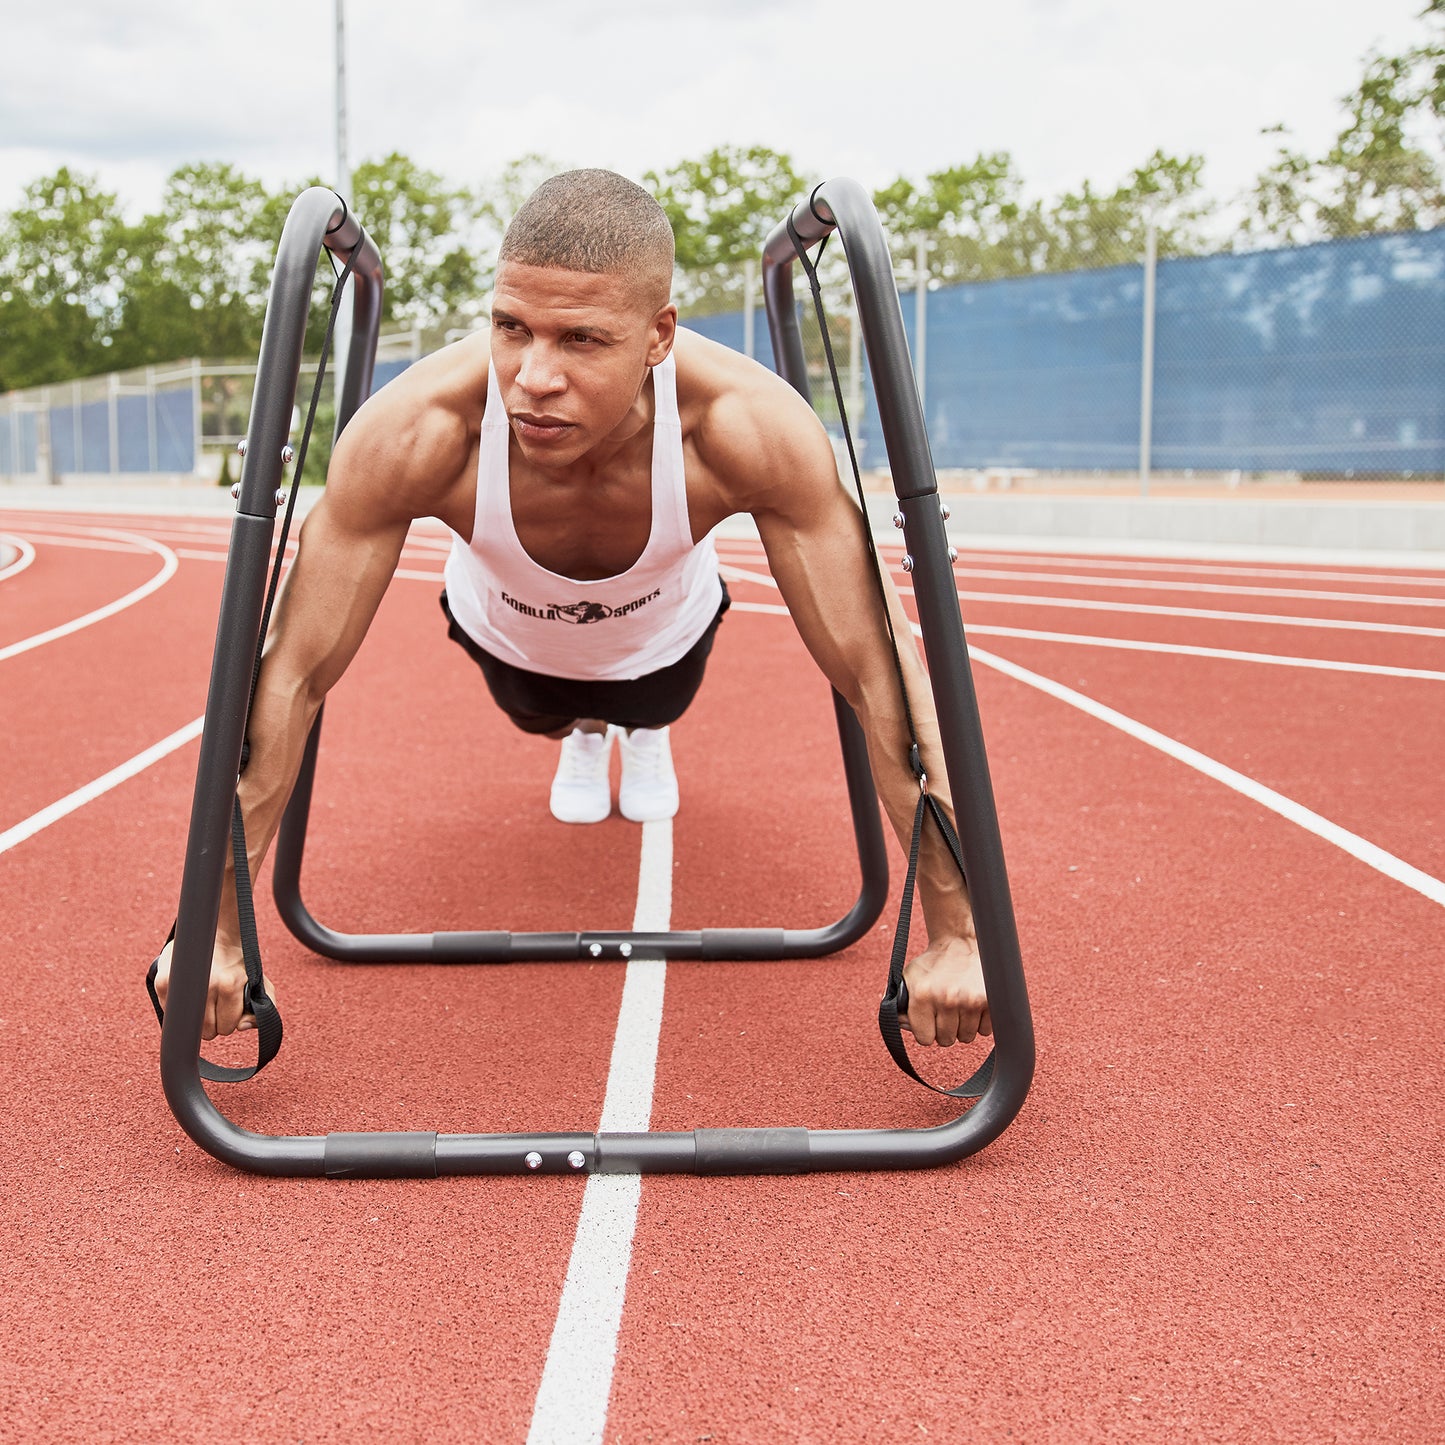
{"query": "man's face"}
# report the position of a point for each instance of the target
(571, 350)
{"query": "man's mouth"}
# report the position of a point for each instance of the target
(540, 428)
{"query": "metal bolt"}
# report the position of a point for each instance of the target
(898, 520)
(235, 491)
(907, 562)
(575, 1159)
(953, 554)
(625, 949)
(241, 447)
(595, 949)
(287, 456)
(280, 496)
(945, 511)
(533, 1160)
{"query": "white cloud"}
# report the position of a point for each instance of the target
(1074, 88)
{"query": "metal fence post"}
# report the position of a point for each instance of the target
(750, 305)
(112, 417)
(195, 414)
(77, 430)
(44, 458)
(1146, 381)
(152, 440)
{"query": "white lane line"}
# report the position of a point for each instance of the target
(1155, 584)
(1084, 604)
(168, 568)
(1271, 619)
(571, 1407)
(1180, 649)
(739, 551)
(37, 822)
(92, 544)
(1351, 843)
(22, 561)
(1382, 578)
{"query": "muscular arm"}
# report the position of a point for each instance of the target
(813, 534)
(382, 475)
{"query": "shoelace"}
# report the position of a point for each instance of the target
(582, 760)
(645, 759)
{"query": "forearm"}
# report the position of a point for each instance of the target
(282, 713)
(941, 888)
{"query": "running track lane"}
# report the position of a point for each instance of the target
(1213, 1218)
(138, 1271)
(1065, 1266)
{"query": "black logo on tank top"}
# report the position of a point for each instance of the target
(578, 612)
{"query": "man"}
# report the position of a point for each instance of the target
(582, 458)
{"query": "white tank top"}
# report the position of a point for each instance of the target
(612, 629)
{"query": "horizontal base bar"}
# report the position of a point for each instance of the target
(424, 1155)
(493, 946)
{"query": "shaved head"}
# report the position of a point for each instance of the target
(595, 221)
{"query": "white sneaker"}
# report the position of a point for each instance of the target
(582, 790)
(649, 785)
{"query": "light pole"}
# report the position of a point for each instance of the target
(341, 337)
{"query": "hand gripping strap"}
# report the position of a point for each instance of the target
(895, 996)
(258, 1001)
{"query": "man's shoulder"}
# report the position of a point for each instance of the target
(743, 420)
(416, 434)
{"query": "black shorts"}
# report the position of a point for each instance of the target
(538, 703)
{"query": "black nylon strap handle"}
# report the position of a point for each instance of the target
(894, 1002)
(258, 1002)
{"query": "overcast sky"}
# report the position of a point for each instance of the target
(1074, 88)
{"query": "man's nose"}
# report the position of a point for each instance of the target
(541, 371)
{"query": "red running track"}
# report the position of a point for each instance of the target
(1218, 1216)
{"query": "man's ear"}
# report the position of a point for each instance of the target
(664, 333)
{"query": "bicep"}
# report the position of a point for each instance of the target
(824, 569)
(342, 568)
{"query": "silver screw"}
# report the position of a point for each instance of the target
(907, 562)
(595, 949)
(280, 496)
(287, 456)
(235, 491)
(953, 554)
(625, 949)
(898, 520)
(533, 1160)
(241, 447)
(575, 1159)
(945, 511)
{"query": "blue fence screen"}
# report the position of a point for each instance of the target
(1327, 358)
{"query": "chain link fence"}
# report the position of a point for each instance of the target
(1299, 363)
(1310, 362)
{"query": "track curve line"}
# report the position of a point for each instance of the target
(170, 564)
(21, 562)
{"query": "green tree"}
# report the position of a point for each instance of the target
(1090, 228)
(722, 208)
(969, 213)
(423, 229)
(198, 269)
(1384, 171)
(62, 252)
